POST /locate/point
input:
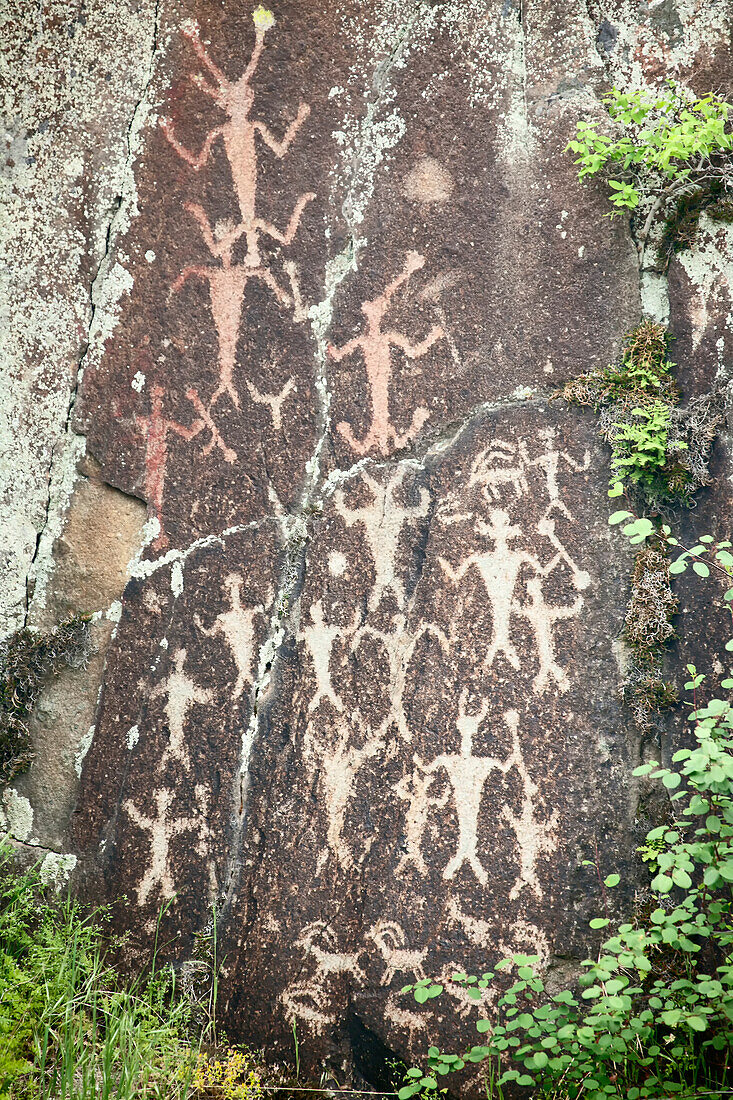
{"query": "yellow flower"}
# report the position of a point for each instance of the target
(262, 18)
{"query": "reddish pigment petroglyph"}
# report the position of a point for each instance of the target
(375, 345)
(156, 427)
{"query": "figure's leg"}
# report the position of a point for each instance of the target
(289, 234)
(280, 148)
(196, 160)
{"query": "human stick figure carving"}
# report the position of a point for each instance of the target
(500, 570)
(237, 627)
(156, 428)
(382, 522)
(162, 829)
(534, 837)
(375, 345)
(467, 775)
(227, 283)
(181, 693)
(238, 132)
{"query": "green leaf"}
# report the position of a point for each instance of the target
(662, 884)
(618, 517)
(612, 880)
(483, 1026)
(701, 568)
(599, 922)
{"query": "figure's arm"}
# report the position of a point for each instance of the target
(416, 351)
(189, 273)
(347, 349)
(280, 148)
(286, 237)
(206, 61)
(196, 160)
(454, 574)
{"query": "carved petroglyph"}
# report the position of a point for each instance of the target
(338, 764)
(467, 775)
(311, 999)
(500, 569)
(163, 828)
(273, 401)
(156, 428)
(302, 1001)
(382, 522)
(534, 837)
(236, 99)
(319, 942)
(237, 627)
(181, 694)
(414, 789)
(389, 937)
(375, 346)
(216, 440)
(319, 638)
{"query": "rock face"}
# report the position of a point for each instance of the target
(361, 691)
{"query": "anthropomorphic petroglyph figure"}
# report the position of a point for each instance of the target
(339, 765)
(216, 440)
(273, 401)
(534, 837)
(163, 828)
(467, 775)
(181, 693)
(499, 570)
(542, 618)
(318, 941)
(156, 428)
(549, 463)
(382, 521)
(237, 627)
(227, 284)
(375, 345)
(319, 638)
(236, 98)
(500, 464)
(414, 790)
(398, 957)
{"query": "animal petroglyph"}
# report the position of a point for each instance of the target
(382, 522)
(237, 627)
(375, 345)
(236, 99)
(163, 828)
(156, 428)
(181, 694)
(318, 941)
(389, 937)
(500, 569)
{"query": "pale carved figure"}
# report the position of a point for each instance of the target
(181, 693)
(310, 999)
(499, 570)
(467, 775)
(162, 829)
(382, 522)
(319, 638)
(216, 440)
(389, 937)
(273, 401)
(376, 345)
(535, 838)
(338, 764)
(156, 428)
(227, 283)
(237, 627)
(238, 132)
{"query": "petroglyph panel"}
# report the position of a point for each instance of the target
(362, 689)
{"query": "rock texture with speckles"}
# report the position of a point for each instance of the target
(284, 351)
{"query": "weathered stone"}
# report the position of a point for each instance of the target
(363, 694)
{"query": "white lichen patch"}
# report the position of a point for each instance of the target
(56, 868)
(709, 268)
(16, 815)
(177, 579)
(71, 89)
(84, 746)
(133, 736)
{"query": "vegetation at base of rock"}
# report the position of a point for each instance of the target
(27, 659)
(652, 1015)
(668, 155)
(647, 631)
(659, 451)
(73, 1028)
